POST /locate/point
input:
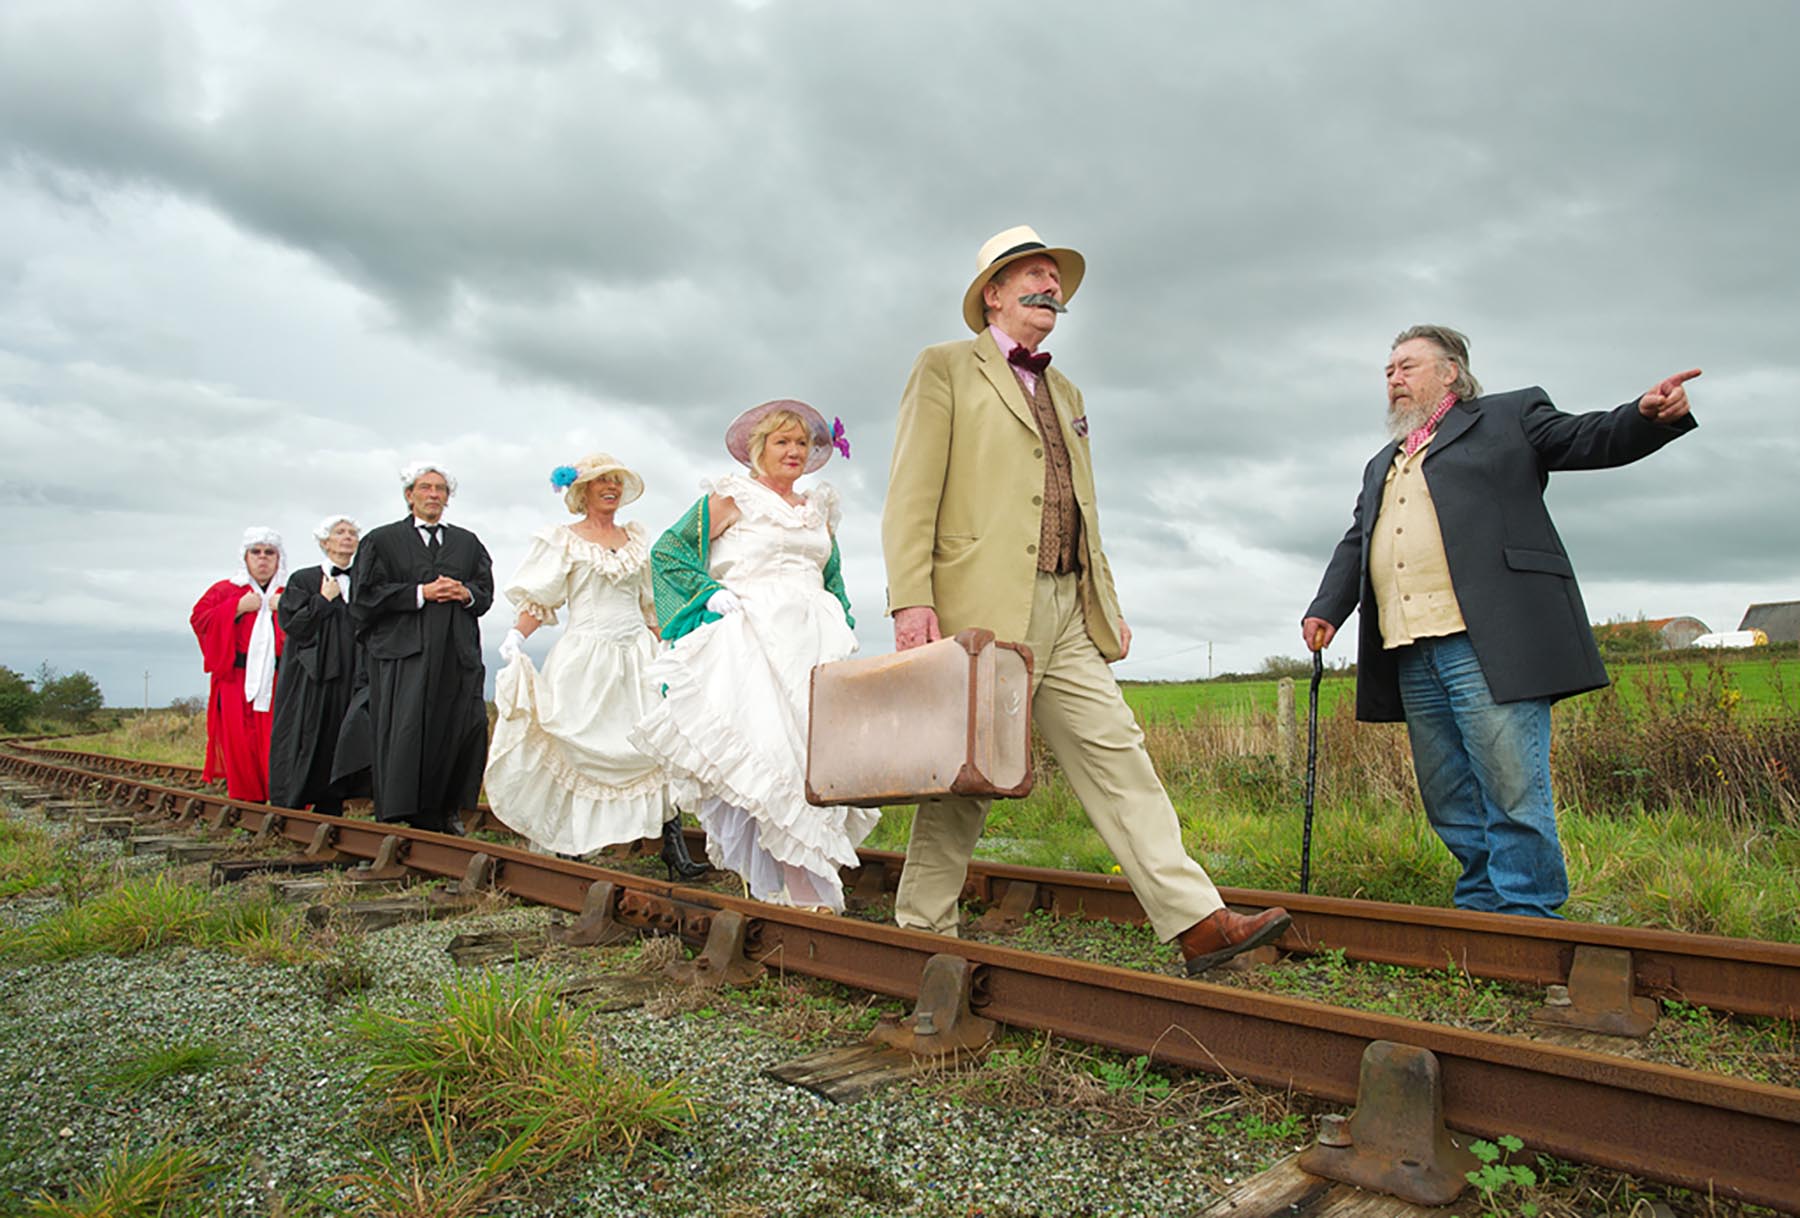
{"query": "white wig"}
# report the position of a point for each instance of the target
(261, 535)
(418, 469)
(322, 532)
(259, 660)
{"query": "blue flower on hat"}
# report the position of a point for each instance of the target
(563, 477)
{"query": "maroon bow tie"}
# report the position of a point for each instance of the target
(1019, 357)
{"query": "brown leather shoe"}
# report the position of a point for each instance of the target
(1221, 935)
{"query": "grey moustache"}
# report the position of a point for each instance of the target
(1045, 299)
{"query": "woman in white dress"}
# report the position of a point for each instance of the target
(560, 770)
(749, 586)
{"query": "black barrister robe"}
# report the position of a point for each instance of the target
(427, 716)
(318, 675)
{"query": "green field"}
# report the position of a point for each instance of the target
(1771, 682)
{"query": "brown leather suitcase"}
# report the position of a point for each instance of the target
(949, 718)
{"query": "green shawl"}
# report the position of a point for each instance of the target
(681, 581)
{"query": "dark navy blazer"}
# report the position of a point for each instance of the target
(1487, 468)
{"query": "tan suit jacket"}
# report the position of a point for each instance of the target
(965, 496)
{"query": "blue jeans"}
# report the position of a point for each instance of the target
(1484, 775)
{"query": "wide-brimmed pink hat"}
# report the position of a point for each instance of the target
(737, 436)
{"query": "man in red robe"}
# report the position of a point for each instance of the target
(240, 641)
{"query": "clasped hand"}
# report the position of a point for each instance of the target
(443, 588)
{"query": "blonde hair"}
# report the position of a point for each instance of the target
(773, 422)
(575, 497)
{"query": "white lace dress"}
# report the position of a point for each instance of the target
(560, 769)
(731, 729)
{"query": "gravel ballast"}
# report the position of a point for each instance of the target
(288, 1115)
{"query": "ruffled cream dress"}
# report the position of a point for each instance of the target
(561, 770)
(732, 728)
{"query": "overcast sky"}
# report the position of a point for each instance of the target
(254, 256)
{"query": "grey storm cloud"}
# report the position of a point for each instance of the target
(252, 258)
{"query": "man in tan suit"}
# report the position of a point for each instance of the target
(990, 521)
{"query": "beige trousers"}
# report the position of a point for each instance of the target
(1078, 709)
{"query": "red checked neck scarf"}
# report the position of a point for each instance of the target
(1415, 439)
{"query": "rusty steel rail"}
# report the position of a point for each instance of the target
(1742, 976)
(1698, 1131)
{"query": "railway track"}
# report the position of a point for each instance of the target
(1713, 1134)
(1740, 976)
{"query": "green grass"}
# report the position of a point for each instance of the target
(166, 737)
(499, 1052)
(1764, 682)
(145, 914)
(1683, 869)
(145, 1068)
(28, 858)
(160, 1181)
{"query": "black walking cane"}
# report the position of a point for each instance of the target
(1312, 762)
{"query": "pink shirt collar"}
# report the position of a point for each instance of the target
(1007, 344)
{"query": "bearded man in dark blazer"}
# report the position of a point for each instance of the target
(1471, 622)
(423, 588)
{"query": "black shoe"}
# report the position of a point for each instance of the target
(675, 855)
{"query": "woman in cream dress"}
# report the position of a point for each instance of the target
(750, 584)
(560, 768)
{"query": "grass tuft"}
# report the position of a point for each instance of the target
(145, 914)
(152, 1182)
(498, 1051)
(434, 1184)
(145, 1069)
(27, 858)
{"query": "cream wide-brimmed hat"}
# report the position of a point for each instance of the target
(1002, 250)
(572, 480)
(737, 436)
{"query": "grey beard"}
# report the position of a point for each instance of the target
(1045, 299)
(1402, 421)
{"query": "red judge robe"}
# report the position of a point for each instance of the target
(237, 734)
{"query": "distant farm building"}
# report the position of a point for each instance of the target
(1780, 620)
(1678, 631)
(1733, 638)
(1669, 631)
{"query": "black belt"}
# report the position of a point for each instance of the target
(243, 661)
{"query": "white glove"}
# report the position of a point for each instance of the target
(723, 601)
(512, 646)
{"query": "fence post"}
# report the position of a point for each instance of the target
(1287, 736)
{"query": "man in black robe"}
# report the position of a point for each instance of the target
(424, 585)
(319, 673)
